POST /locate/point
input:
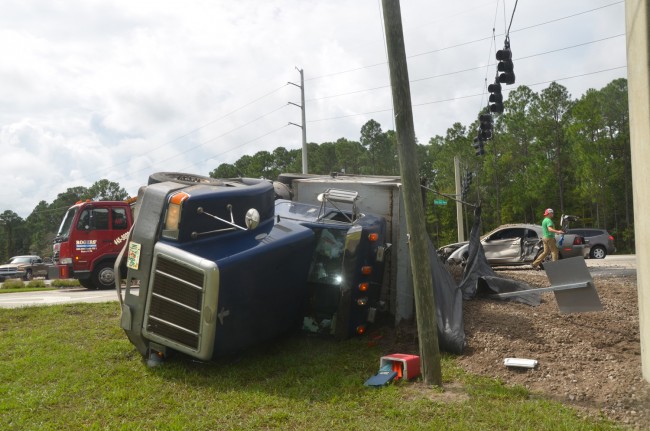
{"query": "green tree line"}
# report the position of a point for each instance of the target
(547, 150)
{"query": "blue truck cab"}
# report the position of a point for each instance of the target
(217, 266)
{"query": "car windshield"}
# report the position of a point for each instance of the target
(21, 259)
(66, 224)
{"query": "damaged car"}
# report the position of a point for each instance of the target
(520, 244)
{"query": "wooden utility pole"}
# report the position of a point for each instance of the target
(425, 309)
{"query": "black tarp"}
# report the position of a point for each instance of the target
(449, 306)
(479, 279)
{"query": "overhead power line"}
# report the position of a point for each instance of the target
(512, 18)
(208, 141)
(456, 72)
(240, 146)
(191, 132)
(458, 45)
(467, 96)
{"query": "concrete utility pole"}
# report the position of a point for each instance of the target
(637, 20)
(304, 124)
(425, 309)
(459, 204)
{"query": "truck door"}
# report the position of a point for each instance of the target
(93, 237)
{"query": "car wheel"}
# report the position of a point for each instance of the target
(598, 252)
(28, 275)
(103, 276)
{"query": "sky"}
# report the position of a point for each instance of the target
(120, 89)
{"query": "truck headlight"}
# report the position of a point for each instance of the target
(173, 216)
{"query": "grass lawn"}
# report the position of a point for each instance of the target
(71, 367)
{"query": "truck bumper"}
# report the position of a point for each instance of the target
(56, 272)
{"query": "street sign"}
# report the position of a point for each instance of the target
(440, 202)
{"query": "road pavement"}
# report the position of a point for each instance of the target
(58, 296)
(612, 265)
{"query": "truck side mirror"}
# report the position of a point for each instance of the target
(252, 218)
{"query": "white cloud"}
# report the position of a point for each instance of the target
(119, 89)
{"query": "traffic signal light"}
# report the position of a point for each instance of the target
(496, 98)
(485, 126)
(467, 181)
(505, 65)
(478, 145)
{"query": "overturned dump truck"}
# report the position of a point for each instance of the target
(216, 266)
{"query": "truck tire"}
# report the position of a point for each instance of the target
(28, 275)
(282, 191)
(183, 178)
(87, 283)
(103, 276)
(283, 187)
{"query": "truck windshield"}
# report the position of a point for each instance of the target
(21, 259)
(66, 224)
(327, 263)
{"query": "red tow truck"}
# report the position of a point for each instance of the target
(89, 239)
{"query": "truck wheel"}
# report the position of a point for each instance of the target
(87, 283)
(282, 191)
(183, 178)
(28, 275)
(103, 276)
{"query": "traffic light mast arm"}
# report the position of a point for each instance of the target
(452, 197)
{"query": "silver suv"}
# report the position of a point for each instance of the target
(601, 242)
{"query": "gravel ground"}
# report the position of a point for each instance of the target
(590, 361)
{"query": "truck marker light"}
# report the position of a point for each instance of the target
(362, 301)
(363, 287)
(361, 330)
(366, 270)
(373, 237)
(178, 198)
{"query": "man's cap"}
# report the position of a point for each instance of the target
(548, 211)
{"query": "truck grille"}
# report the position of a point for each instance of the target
(9, 269)
(176, 302)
